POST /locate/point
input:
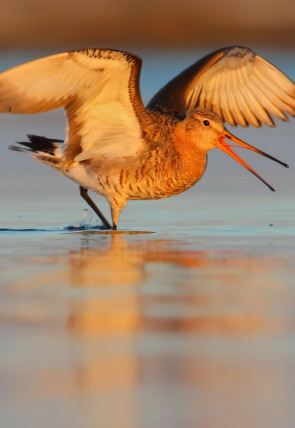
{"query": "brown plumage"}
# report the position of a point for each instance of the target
(119, 149)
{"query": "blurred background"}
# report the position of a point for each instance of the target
(153, 23)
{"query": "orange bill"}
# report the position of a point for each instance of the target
(224, 146)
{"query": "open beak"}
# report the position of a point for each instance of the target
(223, 145)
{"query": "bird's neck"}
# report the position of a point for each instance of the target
(192, 159)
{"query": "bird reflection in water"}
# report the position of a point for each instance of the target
(133, 281)
(121, 283)
(126, 314)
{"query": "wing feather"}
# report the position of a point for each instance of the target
(229, 98)
(225, 111)
(215, 94)
(265, 98)
(256, 110)
(235, 103)
(236, 84)
(283, 100)
(98, 88)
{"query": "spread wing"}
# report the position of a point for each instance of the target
(99, 90)
(235, 83)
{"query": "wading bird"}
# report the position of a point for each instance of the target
(122, 150)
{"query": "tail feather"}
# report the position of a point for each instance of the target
(44, 149)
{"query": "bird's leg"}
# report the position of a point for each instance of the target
(116, 207)
(86, 197)
(115, 216)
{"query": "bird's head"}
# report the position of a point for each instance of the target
(206, 131)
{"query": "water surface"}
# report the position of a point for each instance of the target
(184, 318)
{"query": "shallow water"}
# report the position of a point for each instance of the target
(184, 318)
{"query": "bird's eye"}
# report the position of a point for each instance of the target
(206, 122)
